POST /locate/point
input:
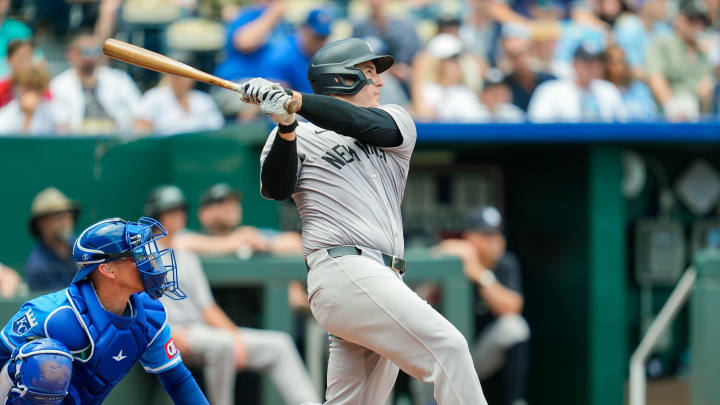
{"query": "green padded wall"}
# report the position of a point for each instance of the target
(112, 177)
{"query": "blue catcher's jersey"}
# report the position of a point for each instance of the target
(105, 346)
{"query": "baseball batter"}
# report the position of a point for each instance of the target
(346, 169)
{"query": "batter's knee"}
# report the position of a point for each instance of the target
(453, 344)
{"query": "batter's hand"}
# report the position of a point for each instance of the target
(274, 103)
(256, 90)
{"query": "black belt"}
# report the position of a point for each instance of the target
(393, 262)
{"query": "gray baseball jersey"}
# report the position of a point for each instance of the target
(348, 192)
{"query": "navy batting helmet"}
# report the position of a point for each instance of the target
(336, 61)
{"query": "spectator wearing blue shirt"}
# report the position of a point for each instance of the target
(9, 29)
(639, 102)
(50, 265)
(251, 38)
(291, 60)
(634, 32)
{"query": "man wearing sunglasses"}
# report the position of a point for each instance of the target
(107, 319)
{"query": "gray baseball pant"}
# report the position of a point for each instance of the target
(268, 351)
(488, 352)
(380, 325)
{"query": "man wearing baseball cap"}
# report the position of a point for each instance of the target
(50, 265)
(501, 349)
(291, 60)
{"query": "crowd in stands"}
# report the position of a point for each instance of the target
(456, 60)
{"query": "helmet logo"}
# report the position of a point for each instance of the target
(85, 256)
(369, 47)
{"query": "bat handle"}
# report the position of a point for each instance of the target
(292, 106)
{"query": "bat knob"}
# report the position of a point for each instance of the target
(292, 106)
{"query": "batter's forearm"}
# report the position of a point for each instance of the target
(279, 170)
(371, 126)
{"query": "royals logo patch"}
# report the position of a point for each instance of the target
(170, 349)
(23, 324)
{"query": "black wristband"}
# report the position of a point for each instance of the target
(287, 129)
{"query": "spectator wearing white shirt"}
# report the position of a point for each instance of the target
(93, 98)
(446, 94)
(175, 107)
(29, 113)
(496, 98)
(584, 98)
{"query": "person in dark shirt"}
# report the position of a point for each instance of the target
(501, 348)
(522, 80)
(50, 265)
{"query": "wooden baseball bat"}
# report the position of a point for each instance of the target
(142, 57)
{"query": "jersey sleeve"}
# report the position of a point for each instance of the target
(407, 129)
(27, 324)
(161, 354)
(268, 145)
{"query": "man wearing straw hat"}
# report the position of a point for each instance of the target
(50, 265)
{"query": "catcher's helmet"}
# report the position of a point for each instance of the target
(114, 239)
(163, 199)
(337, 60)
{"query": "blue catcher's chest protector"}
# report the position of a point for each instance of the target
(116, 342)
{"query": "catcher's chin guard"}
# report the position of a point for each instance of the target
(40, 371)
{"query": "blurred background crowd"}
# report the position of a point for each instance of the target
(456, 61)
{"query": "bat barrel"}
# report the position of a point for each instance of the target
(147, 59)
